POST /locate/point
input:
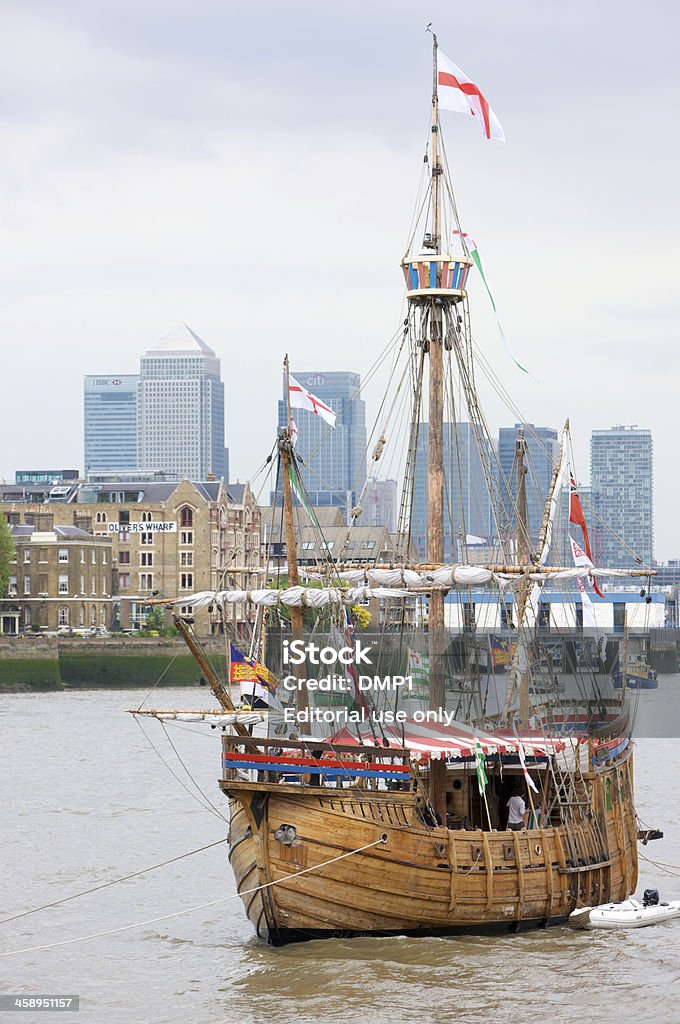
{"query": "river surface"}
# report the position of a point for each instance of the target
(86, 799)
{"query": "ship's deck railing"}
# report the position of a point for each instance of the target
(314, 763)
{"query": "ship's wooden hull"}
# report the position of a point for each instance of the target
(421, 880)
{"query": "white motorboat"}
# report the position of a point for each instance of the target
(630, 913)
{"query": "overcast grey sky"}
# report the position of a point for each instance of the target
(236, 165)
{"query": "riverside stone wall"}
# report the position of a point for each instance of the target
(48, 663)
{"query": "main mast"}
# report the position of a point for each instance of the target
(435, 281)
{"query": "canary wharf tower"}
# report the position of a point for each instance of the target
(181, 408)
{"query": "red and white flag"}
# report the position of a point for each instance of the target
(576, 516)
(301, 398)
(292, 430)
(457, 92)
(525, 771)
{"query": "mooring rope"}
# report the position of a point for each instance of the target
(191, 910)
(114, 881)
(662, 865)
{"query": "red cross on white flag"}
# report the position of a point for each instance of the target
(457, 92)
(301, 398)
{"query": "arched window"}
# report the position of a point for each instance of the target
(82, 615)
(62, 615)
(93, 615)
(102, 616)
(27, 616)
(100, 517)
(186, 516)
(147, 517)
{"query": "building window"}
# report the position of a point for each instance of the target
(146, 581)
(63, 584)
(93, 615)
(62, 615)
(186, 558)
(123, 537)
(147, 517)
(146, 558)
(42, 555)
(186, 517)
(93, 556)
(82, 615)
(82, 554)
(102, 616)
(27, 586)
(308, 545)
(63, 554)
(186, 581)
(27, 556)
(147, 538)
(12, 592)
(368, 545)
(100, 517)
(104, 557)
(94, 585)
(186, 537)
(124, 581)
(124, 516)
(27, 616)
(124, 557)
(187, 609)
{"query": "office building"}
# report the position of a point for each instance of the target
(46, 476)
(542, 450)
(621, 474)
(466, 500)
(335, 458)
(180, 415)
(110, 422)
(381, 504)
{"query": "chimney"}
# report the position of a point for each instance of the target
(82, 521)
(43, 522)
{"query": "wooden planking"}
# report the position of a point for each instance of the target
(421, 877)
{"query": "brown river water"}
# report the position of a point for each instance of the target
(86, 799)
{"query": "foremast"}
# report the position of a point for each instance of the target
(287, 460)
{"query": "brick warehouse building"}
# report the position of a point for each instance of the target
(167, 540)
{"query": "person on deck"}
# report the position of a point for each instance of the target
(518, 814)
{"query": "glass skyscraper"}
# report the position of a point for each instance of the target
(181, 408)
(621, 475)
(543, 448)
(335, 459)
(466, 499)
(110, 422)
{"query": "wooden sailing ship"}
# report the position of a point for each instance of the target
(405, 831)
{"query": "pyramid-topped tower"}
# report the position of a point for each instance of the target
(181, 408)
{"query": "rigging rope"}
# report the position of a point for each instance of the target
(206, 807)
(114, 881)
(190, 910)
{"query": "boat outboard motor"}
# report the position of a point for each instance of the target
(650, 898)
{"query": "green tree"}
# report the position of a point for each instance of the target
(7, 555)
(156, 620)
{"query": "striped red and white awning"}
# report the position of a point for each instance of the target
(435, 740)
